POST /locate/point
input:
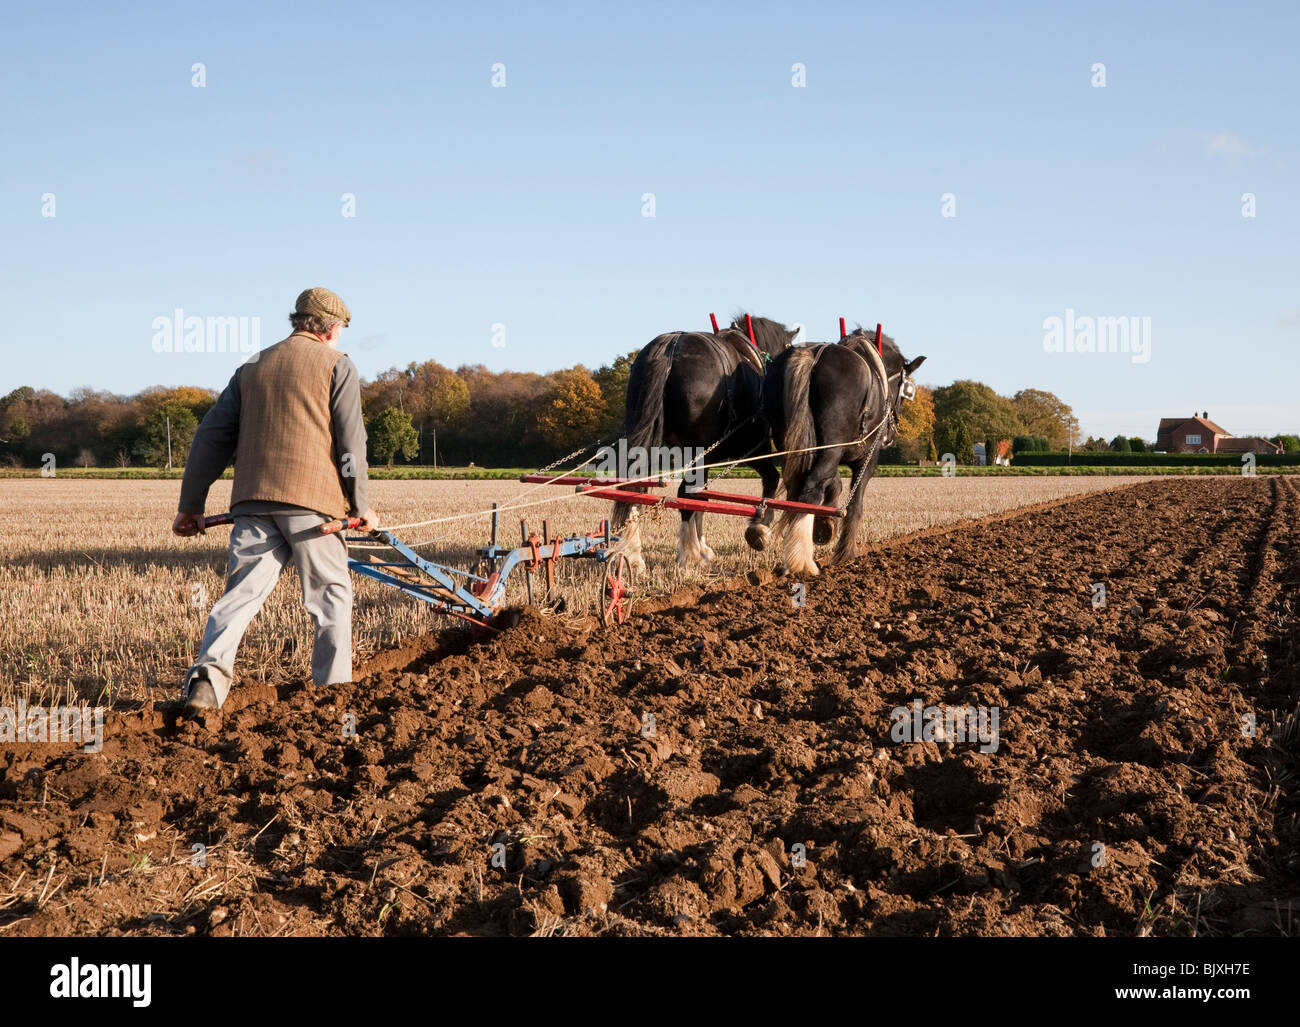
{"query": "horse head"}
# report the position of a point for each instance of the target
(898, 370)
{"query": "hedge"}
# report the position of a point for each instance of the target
(1153, 459)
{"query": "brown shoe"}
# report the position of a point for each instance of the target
(200, 696)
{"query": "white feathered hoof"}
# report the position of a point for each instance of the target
(803, 569)
(798, 547)
(631, 545)
(706, 551)
(757, 536)
(689, 551)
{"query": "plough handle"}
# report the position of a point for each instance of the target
(342, 524)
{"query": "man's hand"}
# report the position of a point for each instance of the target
(188, 525)
(369, 520)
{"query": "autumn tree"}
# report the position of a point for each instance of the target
(436, 397)
(502, 430)
(439, 398)
(450, 402)
(572, 410)
(198, 401)
(1043, 413)
(387, 389)
(915, 427)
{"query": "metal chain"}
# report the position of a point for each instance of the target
(732, 466)
(861, 476)
(724, 438)
(577, 452)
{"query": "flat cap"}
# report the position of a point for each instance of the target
(324, 304)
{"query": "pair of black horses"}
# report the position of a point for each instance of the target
(822, 404)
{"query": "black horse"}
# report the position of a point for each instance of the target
(844, 397)
(688, 390)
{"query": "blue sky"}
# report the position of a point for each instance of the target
(522, 206)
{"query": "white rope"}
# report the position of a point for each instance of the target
(674, 476)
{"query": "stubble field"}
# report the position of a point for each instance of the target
(99, 600)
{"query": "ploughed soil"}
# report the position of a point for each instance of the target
(726, 762)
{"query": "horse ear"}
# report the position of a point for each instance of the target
(912, 365)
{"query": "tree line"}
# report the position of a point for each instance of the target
(955, 418)
(417, 414)
(427, 412)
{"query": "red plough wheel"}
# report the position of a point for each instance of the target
(616, 592)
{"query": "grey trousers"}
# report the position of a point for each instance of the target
(260, 548)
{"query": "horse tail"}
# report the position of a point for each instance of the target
(644, 425)
(800, 428)
(644, 418)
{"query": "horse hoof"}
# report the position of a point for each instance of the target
(756, 536)
(822, 531)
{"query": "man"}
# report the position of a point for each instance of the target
(291, 420)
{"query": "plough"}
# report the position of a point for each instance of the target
(480, 598)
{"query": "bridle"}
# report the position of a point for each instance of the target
(906, 391)
(906, 386)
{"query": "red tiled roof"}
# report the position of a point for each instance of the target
(1247, 444)
(1174, 423)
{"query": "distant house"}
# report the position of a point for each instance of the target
(1201, 435)
(1001, 453)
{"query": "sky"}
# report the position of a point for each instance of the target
(962, 173)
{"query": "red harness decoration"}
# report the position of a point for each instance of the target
(715, 323)
(880, 346)
(842, 332)
(749, 323)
